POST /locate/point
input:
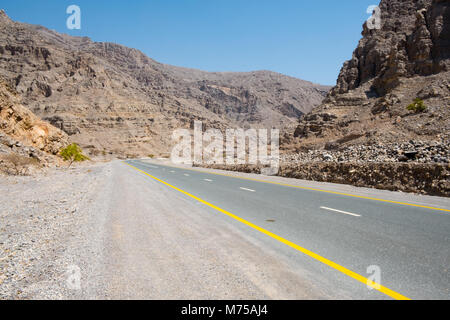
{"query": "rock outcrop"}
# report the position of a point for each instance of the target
(25, 139)
(368, 131)
(113, 99)
(414, 41)
(407, 59)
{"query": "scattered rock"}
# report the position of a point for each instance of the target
(413, 151)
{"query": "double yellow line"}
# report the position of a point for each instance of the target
(348, 272)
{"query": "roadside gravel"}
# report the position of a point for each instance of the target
(45, 230)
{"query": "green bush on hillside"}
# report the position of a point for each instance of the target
(417, 106)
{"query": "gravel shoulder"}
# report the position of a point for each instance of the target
(47, 225)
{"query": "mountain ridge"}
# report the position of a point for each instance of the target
(116, 100)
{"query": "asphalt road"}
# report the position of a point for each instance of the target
(339, 239)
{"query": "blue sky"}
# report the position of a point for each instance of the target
(306, 39)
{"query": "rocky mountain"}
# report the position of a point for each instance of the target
(25, 140)
(115, 100)
(408, 58)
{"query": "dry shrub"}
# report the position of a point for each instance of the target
(18, 163)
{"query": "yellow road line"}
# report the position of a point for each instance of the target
(354, 275)
(320, 190)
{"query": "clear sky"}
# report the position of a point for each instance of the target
(307, 39)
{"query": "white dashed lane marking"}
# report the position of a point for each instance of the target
(340, 211)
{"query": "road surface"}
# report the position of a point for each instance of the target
(320, 243)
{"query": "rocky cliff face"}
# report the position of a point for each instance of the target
(24, 138)
(113, 99)
(414, 41)
(408, 58)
